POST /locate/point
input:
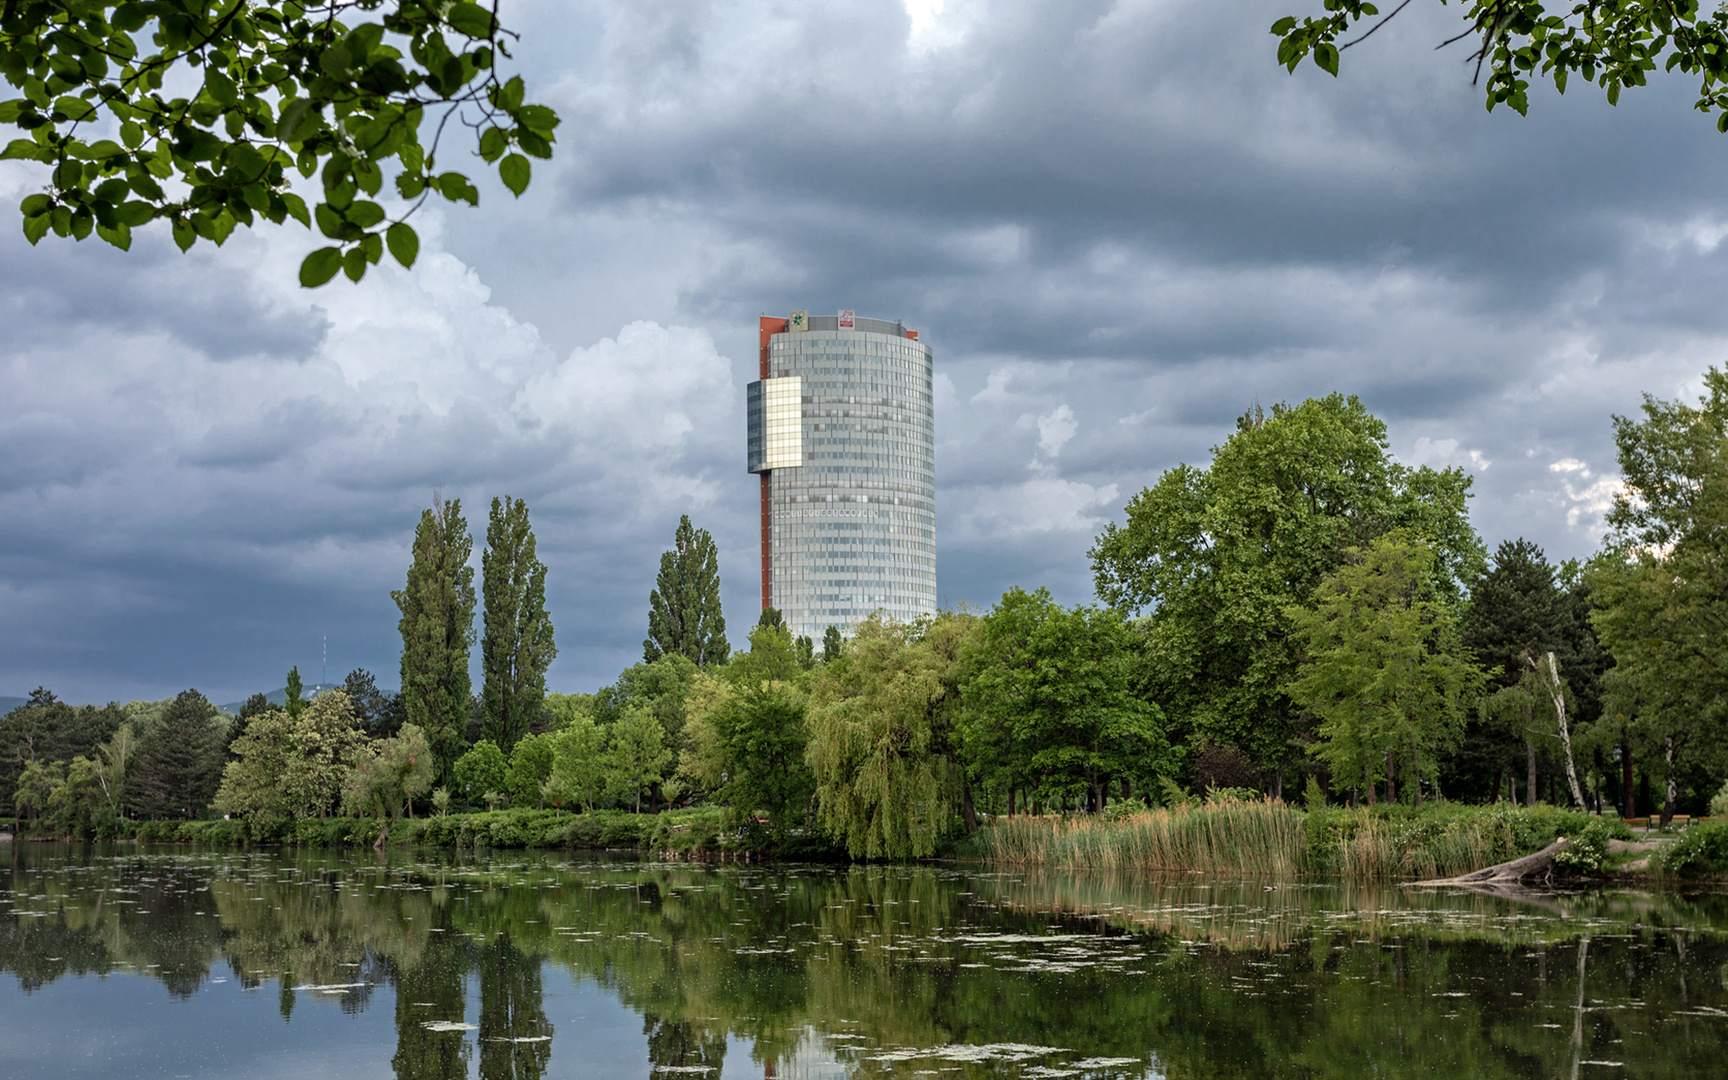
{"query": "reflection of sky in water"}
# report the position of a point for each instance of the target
(527, 966)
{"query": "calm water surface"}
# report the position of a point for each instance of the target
(125, 963)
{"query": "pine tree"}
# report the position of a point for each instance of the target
(180, 762)
(437, 627)
(518, 645)
(684, 608)
(833, 644)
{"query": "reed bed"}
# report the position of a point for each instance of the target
(1230, 837)
(1272, 839)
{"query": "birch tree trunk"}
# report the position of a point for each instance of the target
(1557, 691)
(1668, 759)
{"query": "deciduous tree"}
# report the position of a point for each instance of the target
(200, 114)
(1613, 44)
(1217, 559)
(437, 627)
(882, 738)
(518, 645)
(1384, 670)
(684, 606)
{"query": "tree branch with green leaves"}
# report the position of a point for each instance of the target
(199, 112)
(1612, 43)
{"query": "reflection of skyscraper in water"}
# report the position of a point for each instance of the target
(515, 1036)
(679, 1049)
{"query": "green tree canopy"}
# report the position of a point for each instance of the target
(684, 607)
(882, 738)
(216, 106)
(390, 774)
(179, 762)
(1614, 44)
(1050, 702)
(761, 733)
(1384, 670)
(1217, 558)
(636, 755)
(482, 771)
(1660, 584)
(437, 627)
(517, 646)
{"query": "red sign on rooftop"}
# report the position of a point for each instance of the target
(848, 320)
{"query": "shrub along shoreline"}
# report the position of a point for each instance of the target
(1226, 836)
(698, 831)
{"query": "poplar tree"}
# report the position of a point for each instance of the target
(437, 606)
(517, 646)
(684, 608)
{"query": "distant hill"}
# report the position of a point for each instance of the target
(275, 697)
(7, 704)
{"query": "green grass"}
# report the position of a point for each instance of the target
(1265, 838)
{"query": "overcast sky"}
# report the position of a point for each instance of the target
(1117, 224)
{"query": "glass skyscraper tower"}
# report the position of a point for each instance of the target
(842, 432)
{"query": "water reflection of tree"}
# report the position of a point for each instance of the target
(427, 991)
(677, 1046)
(515, 1036)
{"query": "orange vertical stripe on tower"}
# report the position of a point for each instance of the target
(767, 328)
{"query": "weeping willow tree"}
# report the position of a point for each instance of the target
(882, 720)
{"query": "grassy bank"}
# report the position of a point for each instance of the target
(697, 831)
(1276, 840)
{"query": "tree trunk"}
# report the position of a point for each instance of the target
(1011, 794)
(1529, 771)
(1557, 691)
(1127, 789)
(1668, 802)
(968, 813)
(1278, 784)
(1540, 863)
(1391, 778)
(1628, 797)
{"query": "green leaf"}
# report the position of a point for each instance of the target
(294, 116)
(1284, 26)
(184, 234)
(372, 247)
(320, 266)
(132, 135)
(219, 86)
(297, 208)
(120, 236)
(21, 150)
(365, 214)
(451, 185)
(106, 148)
(533, 144)
(410, 185)
(404, 243)
(493, 143)
(10, 111)
(35, 205)
(354, 264)
(36, 227)
(1327, 57)
(134, 213)
(537, 118)
(73, 108)
(471, 20)
(515, 171)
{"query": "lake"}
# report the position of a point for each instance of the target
(127, 962)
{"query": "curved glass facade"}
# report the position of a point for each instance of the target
(850, 529)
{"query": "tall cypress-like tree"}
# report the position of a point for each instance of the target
(437, 627)
(518, 646)
(684, 608)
